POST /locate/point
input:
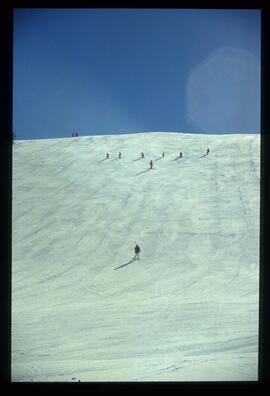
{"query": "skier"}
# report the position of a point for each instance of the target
(180, 155)
(119, 155)
(151, 164)
(163, 155)
(137, 250)
(142, 155)
(207, 151)
(107, 155)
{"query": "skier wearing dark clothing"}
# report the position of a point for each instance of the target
(107, 155)
(137, 250)
(151, 164)
(180, 155)
(142, 155)
(119, 155)
(207, 151)
(163, 155)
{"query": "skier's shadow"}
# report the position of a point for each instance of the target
(138, 159)
(137, 174)
(177, 158)
(203, 155)
(103, 160)
(157, 159)
(123, 265)
(115, 159)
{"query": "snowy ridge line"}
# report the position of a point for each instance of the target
(128, 134)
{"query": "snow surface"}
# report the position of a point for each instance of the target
(188, 310)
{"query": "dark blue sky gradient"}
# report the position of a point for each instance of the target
(109, 71)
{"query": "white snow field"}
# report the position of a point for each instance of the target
(187, 310)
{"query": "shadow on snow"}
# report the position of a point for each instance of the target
(138, 159)
(123, 265)
(137, 174)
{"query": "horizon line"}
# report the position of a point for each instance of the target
(138, 132)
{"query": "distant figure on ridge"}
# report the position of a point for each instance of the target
(207, 152)
(107, 156)
(180, 155)
(137, 250)
(119, 155)
(151, 164)
(142, 155)
(163, 155)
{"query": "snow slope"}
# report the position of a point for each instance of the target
(188, 310)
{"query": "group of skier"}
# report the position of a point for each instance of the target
(151, 163)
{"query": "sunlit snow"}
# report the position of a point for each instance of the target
(187, 310)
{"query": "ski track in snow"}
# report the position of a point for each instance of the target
(188, 310)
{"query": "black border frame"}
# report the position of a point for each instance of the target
(6, 73)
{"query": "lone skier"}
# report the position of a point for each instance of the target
(137, 250)
(151, 164)
(180, 155)
(207, 152)
(119, 155)
(163, 155)
(142, 155)
(107, 156)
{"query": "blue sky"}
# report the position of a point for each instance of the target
(106, 71)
